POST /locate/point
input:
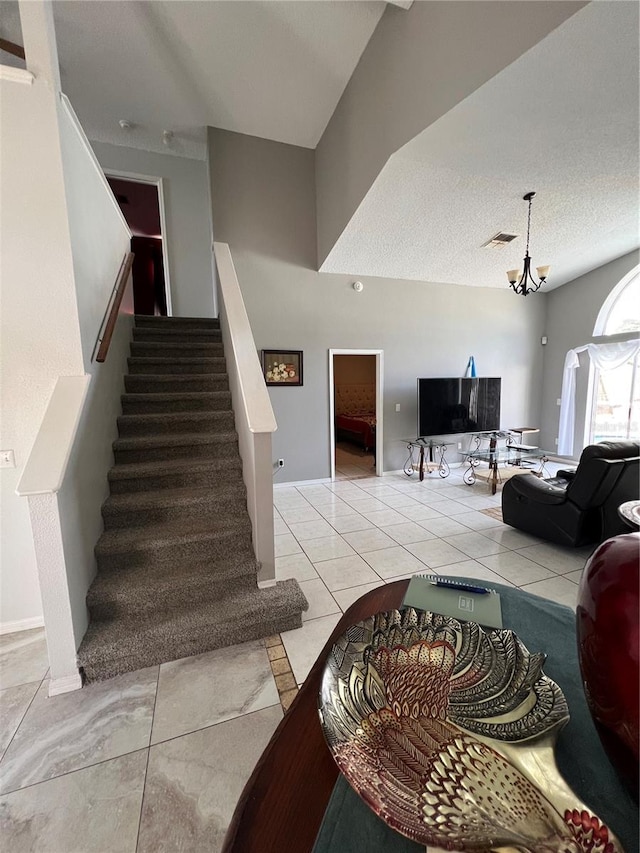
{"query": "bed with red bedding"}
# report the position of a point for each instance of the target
(359, 428)
(355, 419)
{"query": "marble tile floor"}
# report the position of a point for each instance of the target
(155, 760)
(352, 461)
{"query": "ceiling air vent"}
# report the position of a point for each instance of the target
(499, 240)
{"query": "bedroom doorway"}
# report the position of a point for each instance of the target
(355, 412)
(141, 200)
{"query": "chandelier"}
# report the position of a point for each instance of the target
(523, 282)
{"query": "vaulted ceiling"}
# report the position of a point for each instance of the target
(561, 120)
(272, 69)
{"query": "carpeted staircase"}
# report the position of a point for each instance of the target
(176, 567)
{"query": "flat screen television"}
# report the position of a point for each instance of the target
(449, 406)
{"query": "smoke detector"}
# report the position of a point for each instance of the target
(499, 240)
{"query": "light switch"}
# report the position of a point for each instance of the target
(397, 407)
(7, 459)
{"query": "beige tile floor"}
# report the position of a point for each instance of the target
(155, 760)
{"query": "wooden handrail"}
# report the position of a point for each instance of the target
(120, 287)
(13, 48)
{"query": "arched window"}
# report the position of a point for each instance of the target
(614, 397)
(620, 313)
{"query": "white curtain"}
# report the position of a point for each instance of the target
(604, 357)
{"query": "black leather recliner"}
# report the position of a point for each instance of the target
(577, 507)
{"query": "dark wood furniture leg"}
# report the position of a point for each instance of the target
(494, 477)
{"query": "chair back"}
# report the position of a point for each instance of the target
(626, 488)
(605, 471)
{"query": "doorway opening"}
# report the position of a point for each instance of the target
(355, 412)
(142, 205)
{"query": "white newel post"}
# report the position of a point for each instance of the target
(61, 646)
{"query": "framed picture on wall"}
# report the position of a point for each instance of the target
(282, 367)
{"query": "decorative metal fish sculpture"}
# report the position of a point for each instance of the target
(447, 731)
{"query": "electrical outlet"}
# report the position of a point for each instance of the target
(7, 459)
(397, 407)
(280, 463)
(558, 402)
(555, 441)
(459, 445)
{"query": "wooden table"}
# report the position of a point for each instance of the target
(284, 801)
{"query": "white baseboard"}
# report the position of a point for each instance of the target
(266, 584)
(21, 625)
(65, 684)
(324, 480)
(302, 483)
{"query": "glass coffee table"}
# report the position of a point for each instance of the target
(522, 458)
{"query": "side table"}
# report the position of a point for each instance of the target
(524, 431)
(431, 463)
(629, 512)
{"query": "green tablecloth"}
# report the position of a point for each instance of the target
(349, 826)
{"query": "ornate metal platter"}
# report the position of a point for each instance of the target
(447, 731)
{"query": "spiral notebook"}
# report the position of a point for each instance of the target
(483, 608)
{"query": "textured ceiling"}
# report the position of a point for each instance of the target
(271, 69)
(563, 121)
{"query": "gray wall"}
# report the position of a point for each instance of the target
(419, 63)
(263, 206)
(188, 215)
(572, 312)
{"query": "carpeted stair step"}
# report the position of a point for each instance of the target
(190, 445)
(149, 349)
(176, 566)
(110, 649)
(144, 320)
(157, 364)
(166, 383)
(174, 474)
(164, 544)
(144, 594)
(229, 568)
(203, 336)
(175, 422)
(205, 401)
(172, 505)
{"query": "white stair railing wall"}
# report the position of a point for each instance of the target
(254, 418)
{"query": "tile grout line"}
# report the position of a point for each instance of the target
(146, 767)
(324, 583)
(26, 710)
(75, 770)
